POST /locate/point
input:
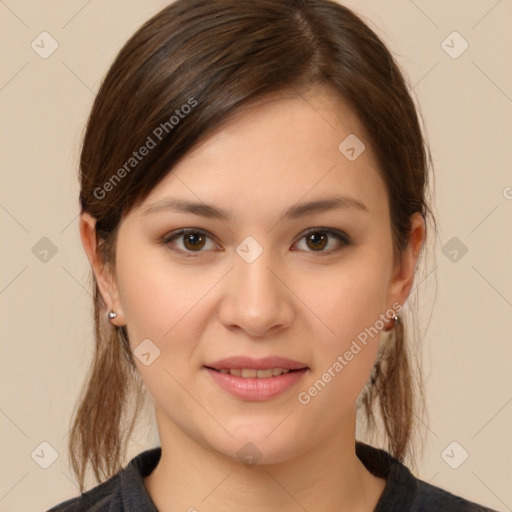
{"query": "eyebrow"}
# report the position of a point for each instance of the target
(294, 212)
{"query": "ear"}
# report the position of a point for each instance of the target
(403, 275)
(104, 277)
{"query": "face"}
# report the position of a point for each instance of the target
(266, 276)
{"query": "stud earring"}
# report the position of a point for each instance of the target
(111, 314)
(396, 320)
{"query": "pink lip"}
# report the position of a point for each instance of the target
(253, 388)
(257, 364)
(256, 389)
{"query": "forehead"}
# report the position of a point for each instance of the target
(285, 148)
(318, 115)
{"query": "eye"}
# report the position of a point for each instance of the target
(192, 240)
(195, 240)
(318, 238)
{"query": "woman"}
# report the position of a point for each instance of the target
(253, 182)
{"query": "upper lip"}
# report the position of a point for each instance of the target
(243, 362)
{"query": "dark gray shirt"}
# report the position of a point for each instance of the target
(125, 491)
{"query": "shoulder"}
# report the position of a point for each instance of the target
(101, 498)
(406, 493)
(98, 499)
(429, 497)
(125, 491)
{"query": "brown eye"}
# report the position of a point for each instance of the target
(193, 241)
(316, 240)
(189, 242)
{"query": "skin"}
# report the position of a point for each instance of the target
(294, 301)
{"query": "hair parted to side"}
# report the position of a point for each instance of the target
(217, 57)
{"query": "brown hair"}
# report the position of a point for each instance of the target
(216, 57)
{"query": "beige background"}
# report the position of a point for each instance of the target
(45, 306)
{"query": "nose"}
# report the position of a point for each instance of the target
(257, 298)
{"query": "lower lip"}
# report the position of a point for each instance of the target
(256, 389)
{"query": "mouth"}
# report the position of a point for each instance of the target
(251, 379)
(263, 368)
(251, 373)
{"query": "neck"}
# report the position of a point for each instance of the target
(327, 477)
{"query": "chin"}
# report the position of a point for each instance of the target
(251, 445)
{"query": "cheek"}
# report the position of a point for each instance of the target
(348, 303)
(156, 297)
(348, 299)
(162, 305)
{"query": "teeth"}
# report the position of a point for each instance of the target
(252, 373)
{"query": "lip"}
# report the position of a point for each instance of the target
(255, 389)
(257, 364)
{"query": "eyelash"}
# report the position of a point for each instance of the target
(170, 237)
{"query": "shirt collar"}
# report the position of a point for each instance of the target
(397, 495)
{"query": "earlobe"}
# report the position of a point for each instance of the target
(104, 278)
